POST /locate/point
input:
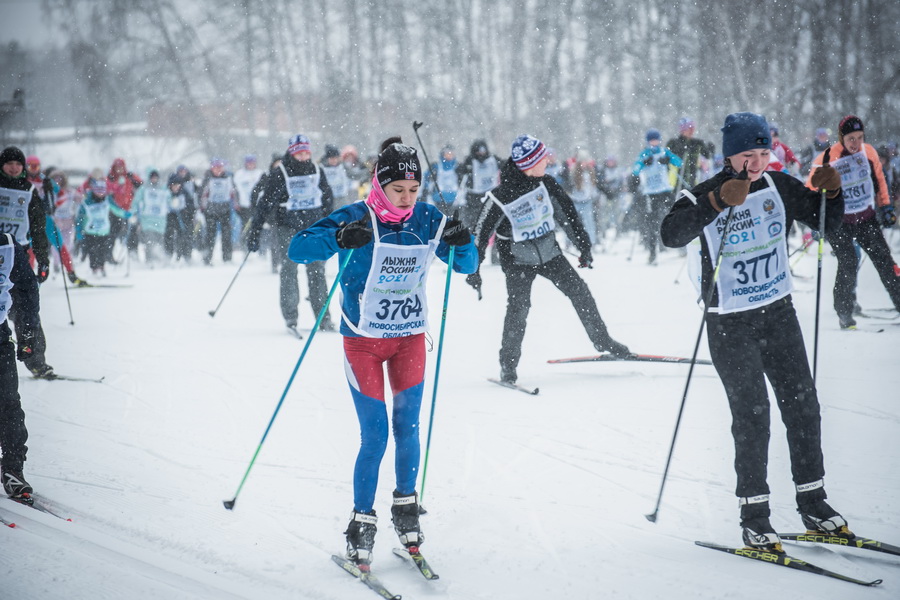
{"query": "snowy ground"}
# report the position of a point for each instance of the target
(528, 496)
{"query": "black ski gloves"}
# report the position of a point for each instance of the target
(455, 233)
(25, 346)
(888, 218)
(663, 160)
(731, 193)
(586, 260)
(43, 272)
(648, 161)
(354, 235)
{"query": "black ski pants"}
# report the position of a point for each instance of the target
(12, 418)
(870, 238)
(747, 347)
(519, 279)
(289, 295)
(218, 216)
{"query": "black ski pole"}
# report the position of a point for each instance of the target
(709, 293)
(416, 125)
(229, 504)
(825, 162)
(213, 312)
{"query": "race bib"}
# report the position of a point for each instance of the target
(530, 215)
(303, 191)
(655, 178)
(754, 270)
(856, 181)
(219, 190)
(14, 214)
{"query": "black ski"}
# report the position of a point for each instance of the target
(69, 378)
(104, 285)
(515, 386)
(863, 329)
(630, 357)
(38, 504)
(785, 560)
(365, 576)
(293, 331)
(415, 556)
(839, 540)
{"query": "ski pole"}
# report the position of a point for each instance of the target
(437, 370)
(213, 312)
(680, 270)
(57, 241)
(229, 504)
(819, 271)
(416, 125)
(709, 293)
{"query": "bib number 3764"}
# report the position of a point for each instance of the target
(390, 309)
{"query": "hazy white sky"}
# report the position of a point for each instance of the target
(29, 27)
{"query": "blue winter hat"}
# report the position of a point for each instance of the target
(653, 134)
(299, 143)
(745, 131)
(527, 151)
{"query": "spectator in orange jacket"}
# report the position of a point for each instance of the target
(866, 208)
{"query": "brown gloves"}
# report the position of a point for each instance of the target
(828, 179)
(731, 193)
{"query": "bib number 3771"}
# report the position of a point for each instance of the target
(748, 269)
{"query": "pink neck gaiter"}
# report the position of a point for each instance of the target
(383, 207)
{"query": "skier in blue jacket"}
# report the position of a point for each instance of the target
(384, 317)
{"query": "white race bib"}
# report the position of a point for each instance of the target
(485, 175)
(394, 303)
(7, 257)
(531, 215)
(155, 201)
(14, 213)
(219, 190)
(755, 270)
(856, 181)
(655, 178)
(304, 192)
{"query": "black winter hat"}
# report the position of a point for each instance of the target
(397, 161)
(12, 154)
(849, 124)
(331, 151)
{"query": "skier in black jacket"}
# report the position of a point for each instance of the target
(296, 195)
(19, 287)
(28, 226)
(753, 330)
(524, 210)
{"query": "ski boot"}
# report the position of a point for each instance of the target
(405, 517)
(361, 538)
(76, 280)
(615, 348)
(14, 484)
(819, 517)
(41, 371)
(758, 532)
(508, 375)
(847, 321)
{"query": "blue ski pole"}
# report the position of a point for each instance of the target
(229, 504)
